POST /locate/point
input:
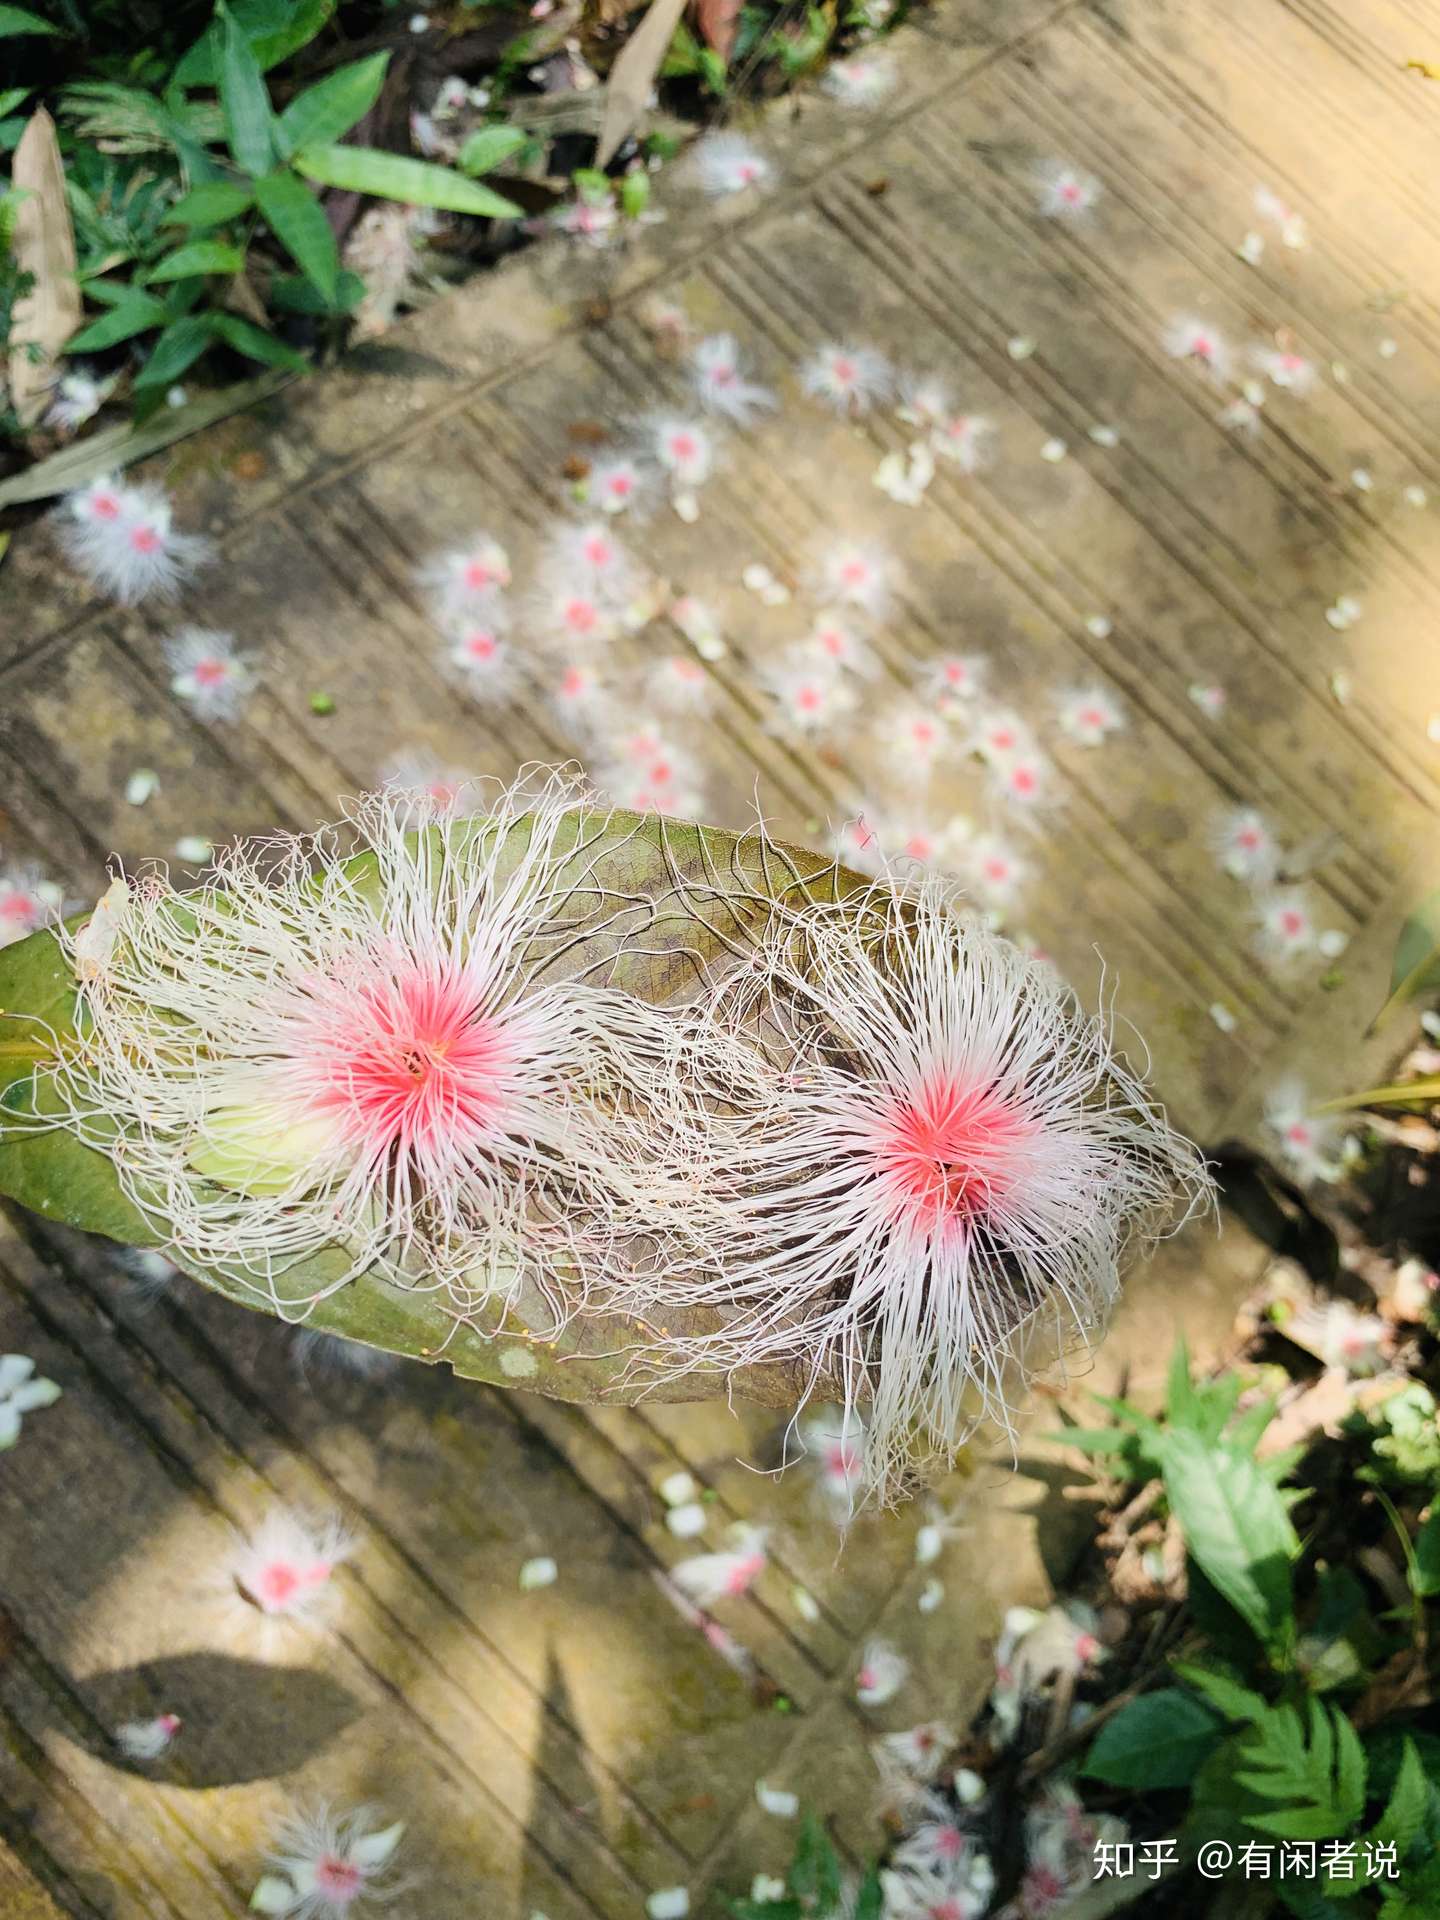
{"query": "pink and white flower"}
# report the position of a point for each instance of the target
(1089, 715)
(709, 1577)
(1187, 338)
(685, 450)
(1246, 846)
(1270, 206)
(451, 791)
(208, 673)
(851, 379)
(720, 385)
(679, 684)
(958, 677)
(995, 871)
(863, 81)
(327, 1864)
(809, 693)
(881, 1673)
(857, 573)
(481, 655)
(1283, 367)
(1310, 1143)
(1285, 927)
(123, 538)
(593, 221)
(468, 580)
(285, 1570)
(145, 1740)
(616, 486)
(729, 163)
(1066, 192)
(833, 640)
(835, 1443)
(965, 439)
(27, 902)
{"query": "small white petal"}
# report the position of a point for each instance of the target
(711, 647)
(1054, 450)
(193, 849)
(1020, 346)
(273, 1895)
(671, 1903)
(929, 1543)
(1341, 686)
(757, 577)
(1099, 626)
(1105, 436)
(1388, 349)
(15, 1368)
(1254, 392)
(1362, 480)
(969, 1787)
(1251, 248)
(931, 1594)
(1416, 497)
(774, 1800)
(686, 1521)
(1223, 1017)
(141, 784)
(677, 1488)
(374, 1849)
(805, 1604)
(540, 1572)
(1333, 943)
(687, 508)
(1432, 727)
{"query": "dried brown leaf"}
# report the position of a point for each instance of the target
(43, 246)
(632, 78)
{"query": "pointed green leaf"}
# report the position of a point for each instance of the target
(1422, 1091)
(328, 110)
(1159, 1740)
(179, 347)
(1180, 1398)
(131, 316)
(1226, 1695)
(488, 146)
(297, 220)
(1236, 1528)
(293, 293)
(256, 344)
(15, 21)
(211, 205)
(243, 96)
(1404, 1814)
(1416, 967)
(389, 176)
(197, 257)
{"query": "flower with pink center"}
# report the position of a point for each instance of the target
(834, 641)
(451, 791)
(317, 1052)
(27, 902)
(925, 400)
(809, 693)
(1198, 341)
(861, 82)
(937, 1845)
(965, 439)
(124, 540)
(917, 1755)
(577, 695)
(1210, 697)
(680, 684)
(685, 450)
(994, 870)
(708, 1577)
(850, 379)
(729, 163)
(616, 486)
(324, 1865)
(1270, 206)
(857, 574)
(913, 739)
(480, 655)
(593, 221)
(955, 1151)
(1310, 1143)
(285, 1569)
(857, 845)
(954, 679)
(1089, 715)
(1246, 846)
(1283, 367)
(1284, 925)
(588, 561)
(1002, 737)
(469, 581)
(207, 672)
(834, 1444)
(720, 385)
(1065, 192)
(146, 1740)
(881, 1673)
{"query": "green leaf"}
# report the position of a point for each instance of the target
(389, 176)
(12, 97)
(1237, 1530)
(1416, 967)
(1226, 1695)
(297, 220)
(1181, 1401)
(815, 1871)
(197, 257)
(1094, 1439)
(17, 20)
(293, 293)
(488, 146)
(211, 205)
(1159, 1740)
(1245, 1431)
(254, 342)
(767, 1910)
(1399, 1825)
(274, 29)
(49, 1171)
(328, 110)
(135, 314)
(869, 1898)
(1425, 1575)
(179, 347)
(1422, 1091)
(249, 128)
